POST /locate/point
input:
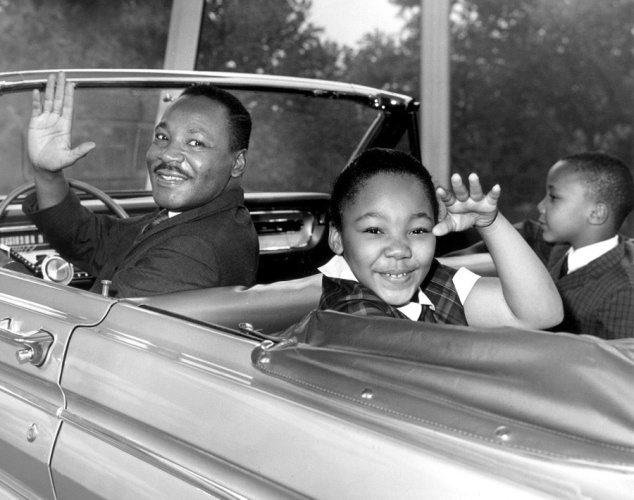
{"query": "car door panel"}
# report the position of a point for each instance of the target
(25, 462)
(142, 391)
(30, 396)
(91, 466)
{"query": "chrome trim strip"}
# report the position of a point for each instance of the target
(373, 97)
(30, 399)
(133, 448)
(185, 358)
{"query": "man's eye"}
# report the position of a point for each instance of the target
(160, 136)
(195, 143)
(372, 230)
(421, 230)
(552, 197)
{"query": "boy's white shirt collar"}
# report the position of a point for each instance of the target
(584, 255)
(337, 267)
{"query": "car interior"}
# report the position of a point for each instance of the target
(301, 140)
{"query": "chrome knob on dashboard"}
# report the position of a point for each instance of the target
(57, 270)
(105, 287)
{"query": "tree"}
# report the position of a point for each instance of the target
(274, 37)
(383, 61)
(532, 80)
(39, 34)
(271, 36)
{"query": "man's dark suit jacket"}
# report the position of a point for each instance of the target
(213, 245)
(599, 297)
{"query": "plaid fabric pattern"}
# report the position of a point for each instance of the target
(354, 298)
(599, 297)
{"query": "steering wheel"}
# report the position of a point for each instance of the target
(59, 270)
(82, 186)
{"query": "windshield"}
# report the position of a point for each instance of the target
(298, 143)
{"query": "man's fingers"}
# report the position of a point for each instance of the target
(37, 104)
(49, 93)
(82, 150)
(60, 91)
(55, 94)
(69, 94)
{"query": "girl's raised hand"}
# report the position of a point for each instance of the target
(466, 207)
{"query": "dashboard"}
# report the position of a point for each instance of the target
(292, 231)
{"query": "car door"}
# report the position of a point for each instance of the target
(144, 392)
(37, 319)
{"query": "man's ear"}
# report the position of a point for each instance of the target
(599, 214)
(240, 163)
(334, 240)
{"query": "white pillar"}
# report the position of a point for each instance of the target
(435, 88)
(184, 33)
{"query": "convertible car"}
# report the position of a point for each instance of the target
(239, 393)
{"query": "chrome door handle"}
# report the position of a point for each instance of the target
(35, 344)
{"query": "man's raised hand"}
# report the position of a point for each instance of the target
(50, 126)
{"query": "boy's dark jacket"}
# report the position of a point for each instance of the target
(599, 297)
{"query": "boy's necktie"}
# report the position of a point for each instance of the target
(564, 267)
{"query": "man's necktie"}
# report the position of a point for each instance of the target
(163, 215)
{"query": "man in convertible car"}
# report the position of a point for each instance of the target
(201, 235)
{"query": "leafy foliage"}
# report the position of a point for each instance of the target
(531, 81)
(271, 36)
(41, 34)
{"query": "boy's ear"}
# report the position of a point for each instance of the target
(599, 214)
(334, 240)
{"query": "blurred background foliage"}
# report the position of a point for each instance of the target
(531, 80)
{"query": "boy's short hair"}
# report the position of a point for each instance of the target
(372, 162)
(239, 117)
(608, 179)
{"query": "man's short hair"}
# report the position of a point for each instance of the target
(608, 179)
(239, 117)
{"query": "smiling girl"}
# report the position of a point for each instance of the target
(385, 220)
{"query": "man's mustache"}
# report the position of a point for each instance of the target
(171, 167)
